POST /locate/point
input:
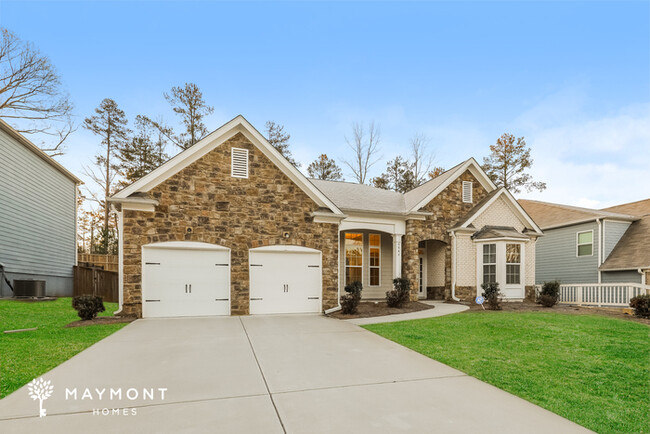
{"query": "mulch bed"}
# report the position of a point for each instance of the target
(368, 309)
(612, 312)
(102, 320)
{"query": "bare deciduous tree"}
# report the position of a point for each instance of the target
(365, 147)
(31, 92)
(421, 158)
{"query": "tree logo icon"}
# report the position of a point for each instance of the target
(41, 390)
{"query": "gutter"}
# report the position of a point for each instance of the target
(601, 247)
(453, 266)
(332, 310)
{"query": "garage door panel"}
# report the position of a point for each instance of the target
(285, 282)
(185, 282)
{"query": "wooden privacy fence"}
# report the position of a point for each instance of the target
(108, 262)
(601, 294)
(95, 281)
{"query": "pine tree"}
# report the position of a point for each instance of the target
(109, 123)
(279, 140)
(325, 168)
(507, 162)
(140, 155)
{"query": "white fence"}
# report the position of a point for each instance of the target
(601, 294)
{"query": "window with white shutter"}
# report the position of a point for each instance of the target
(239, 161)
(467, 192)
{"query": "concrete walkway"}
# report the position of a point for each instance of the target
(440, 309)
(266, 374)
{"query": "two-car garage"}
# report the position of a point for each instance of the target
(193, 279)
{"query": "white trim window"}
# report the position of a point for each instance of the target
(489, 263)
(467, 192)
(513, 264)
(353, 258)
(374, 263)
(239, 163)
(585, 243)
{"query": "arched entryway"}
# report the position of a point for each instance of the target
(432, 275)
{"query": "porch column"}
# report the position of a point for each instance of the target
(397, 255)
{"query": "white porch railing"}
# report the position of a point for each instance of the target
(601, 294)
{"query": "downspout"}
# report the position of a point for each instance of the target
(338, 265)
(120, 261)
(453, 267)
(601, 247)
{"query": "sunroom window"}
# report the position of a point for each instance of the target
(353, 258)
(513, 264)
(489, 263)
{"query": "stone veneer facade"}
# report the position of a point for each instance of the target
(447, 208)
(233, 212)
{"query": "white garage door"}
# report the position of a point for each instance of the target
(185, 279)
(285, 279)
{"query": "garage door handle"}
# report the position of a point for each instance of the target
(256, 265)
(190, 288)
(313, 298)
(152, 263)
(313, 266)
(151, 300)
(221, 265)
(256, 299)
(220, 299)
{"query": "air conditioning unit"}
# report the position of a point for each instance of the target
(29, 288)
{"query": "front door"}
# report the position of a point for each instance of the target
(422, 273)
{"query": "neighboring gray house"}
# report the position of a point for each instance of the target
(582, 245)
(38, 215)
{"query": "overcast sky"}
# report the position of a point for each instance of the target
(572, 77)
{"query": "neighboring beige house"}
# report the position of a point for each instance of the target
(229, 226)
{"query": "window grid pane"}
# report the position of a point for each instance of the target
(513, 253)
(489, 273)
(513, 274)
(585, 250)
(353, 258)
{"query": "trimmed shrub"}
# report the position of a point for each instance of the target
(492, 295)
(88, 306)
(350, 300)
(641, 305)
(401, 293)
(550, 293)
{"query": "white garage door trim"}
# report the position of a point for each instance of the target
(289, 250)
(182, 245)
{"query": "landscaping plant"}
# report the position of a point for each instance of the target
(641, 305)
(350, 300)
(400, 295)
(492, 295)
(88, 306)
(550, 293)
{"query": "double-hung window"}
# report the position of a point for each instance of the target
(374, 247)
(489, 263)
(353, 258)
(513, 264)
(585, 243)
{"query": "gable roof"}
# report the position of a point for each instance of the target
(36, 150)
(492, 197)
(632, 251)
(422, 195)
(553, 215)
(359, 197)
(638, 208)
(237, 125)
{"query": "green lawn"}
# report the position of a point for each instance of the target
(592, 370)
(24, 356)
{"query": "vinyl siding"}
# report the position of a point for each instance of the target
(628, 276)
(613, 231)
(37, 214)
(386, 265)
(556, 256)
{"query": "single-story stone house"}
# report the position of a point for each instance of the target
(229, 226)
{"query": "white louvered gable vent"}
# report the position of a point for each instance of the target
(239, 163)
(467, 192)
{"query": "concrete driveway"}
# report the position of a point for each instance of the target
(295, 374)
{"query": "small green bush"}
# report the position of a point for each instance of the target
(350, 300)
(401, 293)
(550, 293)
(641, 305)
(88, 306)
(492, 295)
